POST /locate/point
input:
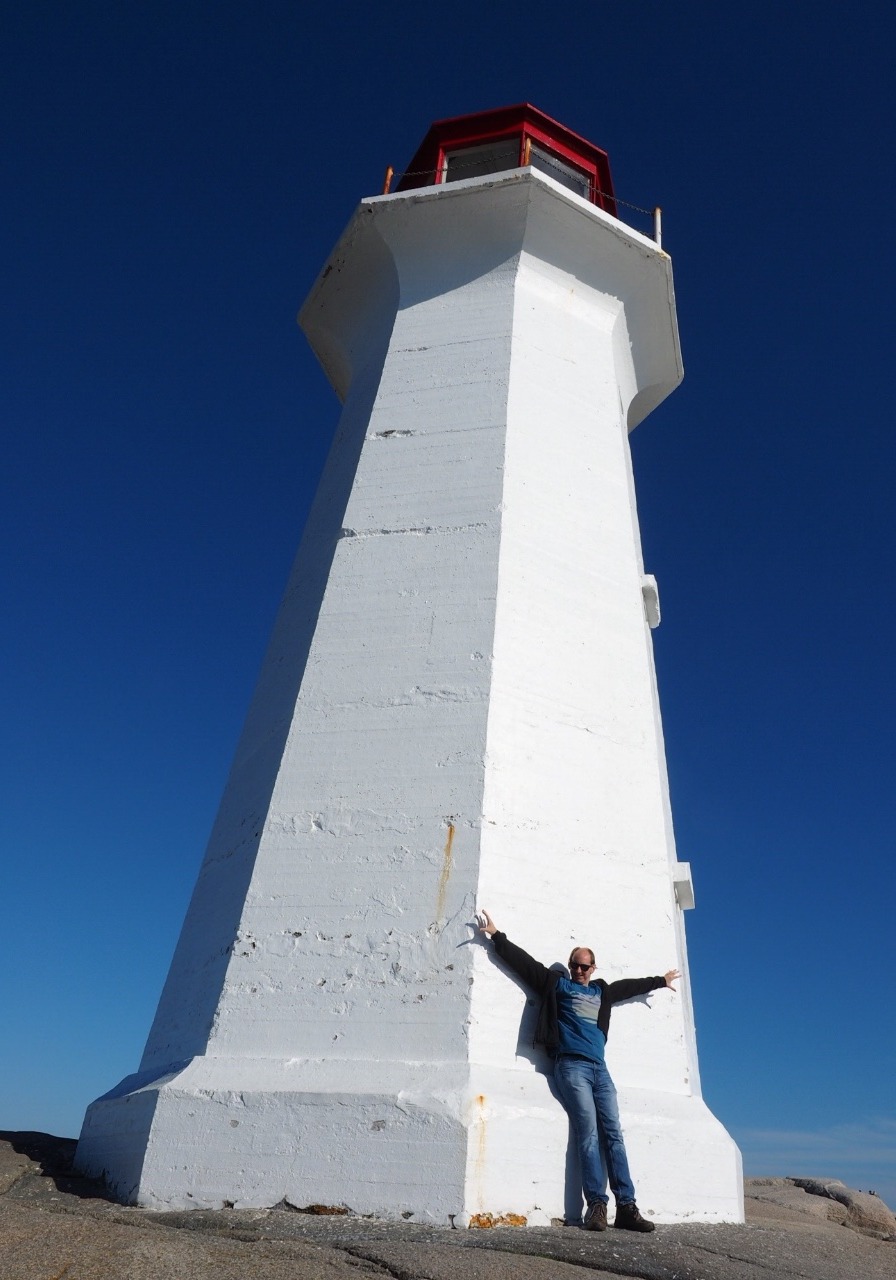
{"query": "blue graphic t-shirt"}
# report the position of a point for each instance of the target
(577, 1011)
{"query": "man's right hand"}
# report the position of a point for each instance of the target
(485, 924)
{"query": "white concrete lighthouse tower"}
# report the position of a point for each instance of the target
(458, 706)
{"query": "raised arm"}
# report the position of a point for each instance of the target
(532, 972)
(628, 988)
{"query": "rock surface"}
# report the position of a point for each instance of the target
(862, 1210)
(54, 1224)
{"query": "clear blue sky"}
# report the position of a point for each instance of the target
(174, 175)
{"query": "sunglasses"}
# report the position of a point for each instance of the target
(581, 966)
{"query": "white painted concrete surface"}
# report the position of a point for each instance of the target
(458, 705)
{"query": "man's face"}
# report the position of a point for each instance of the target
(581, 967)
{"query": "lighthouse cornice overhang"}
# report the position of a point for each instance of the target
(401, 249)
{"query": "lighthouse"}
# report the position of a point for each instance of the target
(458, 706)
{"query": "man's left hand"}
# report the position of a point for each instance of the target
(670, 978)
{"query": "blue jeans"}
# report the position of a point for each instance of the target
(589, 1096)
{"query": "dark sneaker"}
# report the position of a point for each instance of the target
(596, 1217)
(629, 1218)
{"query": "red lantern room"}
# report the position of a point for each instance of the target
(510, 138)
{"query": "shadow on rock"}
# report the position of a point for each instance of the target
(54, 1158)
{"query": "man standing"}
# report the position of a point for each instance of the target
(573, 1022)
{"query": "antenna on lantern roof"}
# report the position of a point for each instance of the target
(487, 142)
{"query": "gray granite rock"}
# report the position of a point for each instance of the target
(864, 1211)
(14, 1166)
(54, 1224)
(783, 1192)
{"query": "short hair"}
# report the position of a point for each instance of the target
(575, 950)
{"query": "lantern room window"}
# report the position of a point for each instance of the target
(475, 162)
(562, 172)
(507, 153)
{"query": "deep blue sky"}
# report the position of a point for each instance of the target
(174, 177)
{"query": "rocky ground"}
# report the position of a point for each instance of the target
(57, 1226)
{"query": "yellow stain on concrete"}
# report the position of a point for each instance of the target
(445, 874)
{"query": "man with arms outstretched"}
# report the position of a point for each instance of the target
(573, 1022)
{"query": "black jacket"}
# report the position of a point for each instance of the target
(544, 983)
